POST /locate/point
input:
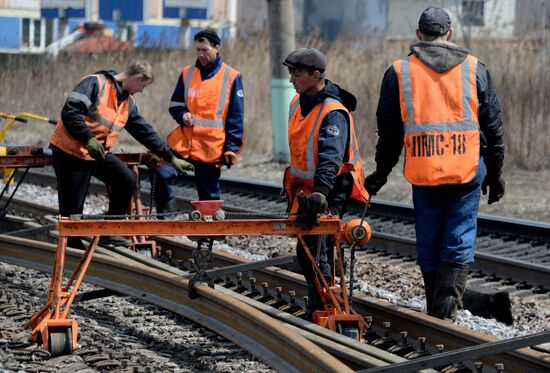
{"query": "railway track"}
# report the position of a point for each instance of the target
(275, 344)
(165, 287)
(400, 318)
(511, 254)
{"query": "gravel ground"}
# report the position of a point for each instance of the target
(394, 283)
(403, 285)
(115, 333)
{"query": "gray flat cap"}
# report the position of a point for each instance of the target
(306, 57)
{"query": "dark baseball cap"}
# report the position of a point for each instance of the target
(434, 21)
(306, 57)
(209, 34)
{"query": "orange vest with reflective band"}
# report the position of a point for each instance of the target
(208, 102)
(303, 135)
(105, 118)
(440, 115)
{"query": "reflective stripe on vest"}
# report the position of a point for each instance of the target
(208, 102)
(218, 122)
(92, 108)
(107, 131)
(299, 176)
(440, 123)
(309, 172)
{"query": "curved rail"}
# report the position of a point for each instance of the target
(264, 337)
(402, 318)
(416, 323)
(518, 270)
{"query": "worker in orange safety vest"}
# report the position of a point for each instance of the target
(325, 169)
(95, 113)
(208, 106)
(439, 102)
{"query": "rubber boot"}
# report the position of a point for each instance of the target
(429, 287)
(450, 284)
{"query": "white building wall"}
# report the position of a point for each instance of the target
(498, 18)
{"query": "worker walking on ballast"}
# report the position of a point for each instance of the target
(440, 103)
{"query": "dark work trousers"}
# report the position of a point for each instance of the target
(164, 179)
(319, 246)
(73, 179)
(207, 180)
(446, 221)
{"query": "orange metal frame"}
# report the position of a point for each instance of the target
(54, 314)
(32, 156)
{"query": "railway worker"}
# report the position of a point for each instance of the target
(440, 102)
(93, 116)
(325, 166)
(208, 106)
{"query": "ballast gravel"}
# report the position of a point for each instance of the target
(116, 334)
(155, 339)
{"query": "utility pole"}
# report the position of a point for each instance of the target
(281, 41)
(543, 57)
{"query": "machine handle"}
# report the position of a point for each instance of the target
(13, 117)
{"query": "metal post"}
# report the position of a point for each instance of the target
(281, 39)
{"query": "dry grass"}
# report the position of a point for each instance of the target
(36, 84)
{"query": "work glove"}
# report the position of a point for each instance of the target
(95, 149)
(309, 209)
(374, 182)
(181, 165)
(496, 188)
(229, 158)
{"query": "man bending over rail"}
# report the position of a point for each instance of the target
(95, 113)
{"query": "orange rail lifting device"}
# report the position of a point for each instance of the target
(58, 333)
(15, 157)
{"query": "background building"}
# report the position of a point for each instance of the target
(33, 25)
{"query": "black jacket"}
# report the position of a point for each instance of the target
(74, 110)
(440, 57)
(332, 144)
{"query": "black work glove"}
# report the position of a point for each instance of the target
(496, 188)
(374, 182)
(309, 209)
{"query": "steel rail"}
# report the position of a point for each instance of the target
(401, 318)
(269, 190)
(503, 267)
(518, 270)
(267, 339)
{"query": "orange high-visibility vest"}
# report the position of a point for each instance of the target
(303, 135)
(208, 102)
(105, 117)
(440, 115)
